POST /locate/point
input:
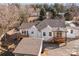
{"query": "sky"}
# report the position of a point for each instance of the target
(39, 1)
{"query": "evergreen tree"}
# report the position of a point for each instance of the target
(42, 14)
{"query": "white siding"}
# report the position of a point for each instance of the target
(77, 33)
(35, 31)
(63, 31)
(21, 31)
(63, 34)
(47, 30)
(71, 35)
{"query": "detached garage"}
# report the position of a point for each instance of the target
(29, 47)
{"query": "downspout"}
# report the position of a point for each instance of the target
(39, 54)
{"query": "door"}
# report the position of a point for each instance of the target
(59, 34)
(27, 34)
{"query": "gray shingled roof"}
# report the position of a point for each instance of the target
(29, 46)
(52, 23)
(76, 28)
(28, 25)
(44, 23)
(76, 23)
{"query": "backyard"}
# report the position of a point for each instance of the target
(61, 50)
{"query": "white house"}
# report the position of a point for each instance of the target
(46, 29)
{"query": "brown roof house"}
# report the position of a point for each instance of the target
(33, 13)
(29, 47)
(9, 38)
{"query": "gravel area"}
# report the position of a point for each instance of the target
(56, 50)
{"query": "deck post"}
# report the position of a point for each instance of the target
(54, 35)
(65, 38)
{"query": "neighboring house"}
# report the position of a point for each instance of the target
(72, 32)
(29, 47)
(72, 29)
(10, 37)
(75, 16)
(33, 13)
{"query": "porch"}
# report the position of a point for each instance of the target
(60, 36)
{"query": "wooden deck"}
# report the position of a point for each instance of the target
(59, 40)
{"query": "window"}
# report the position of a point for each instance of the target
(27, 33)
(59, 34)
(50, 33)
(71, 31)
(32, 32)
(23, 32)
(44, 34)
